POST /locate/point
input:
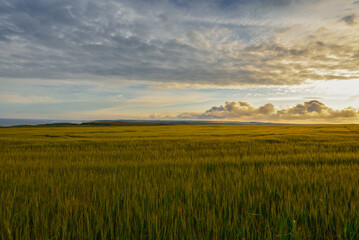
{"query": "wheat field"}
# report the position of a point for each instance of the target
(180, 182)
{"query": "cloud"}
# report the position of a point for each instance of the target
(349, 19)
(311, 111)
(217, 42)
(316, 110)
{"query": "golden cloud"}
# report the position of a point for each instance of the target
(311, 111)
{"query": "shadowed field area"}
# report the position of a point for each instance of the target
(180, 182)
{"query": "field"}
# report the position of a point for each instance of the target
(180, 182)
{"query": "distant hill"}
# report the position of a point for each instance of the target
(169, 122)
(53, 123)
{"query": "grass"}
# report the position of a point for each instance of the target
(180, 182)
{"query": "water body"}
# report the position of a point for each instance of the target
(8, 122)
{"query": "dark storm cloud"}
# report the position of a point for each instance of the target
(157, 41)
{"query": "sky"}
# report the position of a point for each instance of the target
(294, 61)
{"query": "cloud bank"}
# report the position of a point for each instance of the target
(311, 111)
(213, 42)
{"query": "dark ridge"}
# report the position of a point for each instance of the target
(172, 122)
(120, 123)
(143, 123)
